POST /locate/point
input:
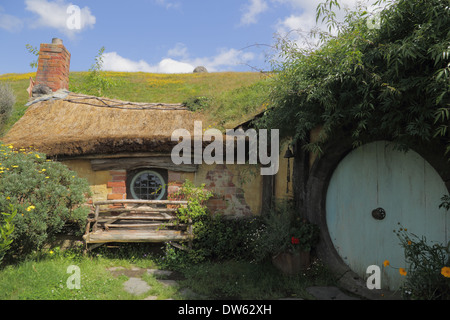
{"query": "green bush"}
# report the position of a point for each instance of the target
(6, 229)
(221, 238)
(196, 208)
(216, 237)
(195, 212)
(427, 274)
(7, 100)
(46, 195)
(197, 103)
(283, 230)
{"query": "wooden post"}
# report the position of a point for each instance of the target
(97, 210)
(267, 193)
(300, 175)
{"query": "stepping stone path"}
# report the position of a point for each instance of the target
(136, 286)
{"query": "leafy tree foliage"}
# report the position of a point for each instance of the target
(389, 82)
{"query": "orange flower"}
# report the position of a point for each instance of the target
(402, 271)
(386, 263)
(445, 271)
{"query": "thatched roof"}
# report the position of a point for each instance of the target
(83, 125)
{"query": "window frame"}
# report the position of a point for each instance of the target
(133, 174)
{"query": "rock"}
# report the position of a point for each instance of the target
(136, 286)
(41, 90)
(200, 69)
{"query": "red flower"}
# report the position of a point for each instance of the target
(295, 240)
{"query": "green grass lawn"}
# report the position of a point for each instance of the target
(45, 276)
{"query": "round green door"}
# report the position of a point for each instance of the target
(405, 189)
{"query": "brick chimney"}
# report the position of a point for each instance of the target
(53, 66)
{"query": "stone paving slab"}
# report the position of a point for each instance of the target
(136, 286)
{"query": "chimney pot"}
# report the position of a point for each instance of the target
(57, 41)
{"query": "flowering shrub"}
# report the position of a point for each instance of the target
(427, 275)
(6, 229)
(282, 230)
(45, 194)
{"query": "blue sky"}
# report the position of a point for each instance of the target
(163, 36)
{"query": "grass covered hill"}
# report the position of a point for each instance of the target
(228, 98)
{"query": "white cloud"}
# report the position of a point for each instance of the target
(172, 66)
(225, 59)
(9, 23)
(297, 28)
(252, 10)
(54, 14)
(180, 50)
(298, 25)
(112, 61)
(168, 4)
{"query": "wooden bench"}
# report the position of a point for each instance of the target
(136, 221)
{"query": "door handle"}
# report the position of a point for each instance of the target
(378, 213)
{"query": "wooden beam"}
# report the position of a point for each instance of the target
(141, 209)
(128, 236)
(109, 219)
(144, 162)
(170, 202)
(145, 225)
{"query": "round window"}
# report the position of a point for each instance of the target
(147, 185)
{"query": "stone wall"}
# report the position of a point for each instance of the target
(237, 188)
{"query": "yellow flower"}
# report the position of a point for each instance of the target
(8, 198)
(43, 170)
(51, 252)
(386, 263)
(37, 156)
(402, 271)
(47, 177)
(14, 166)
(445, 271)
(31, 208)
(10, 147)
